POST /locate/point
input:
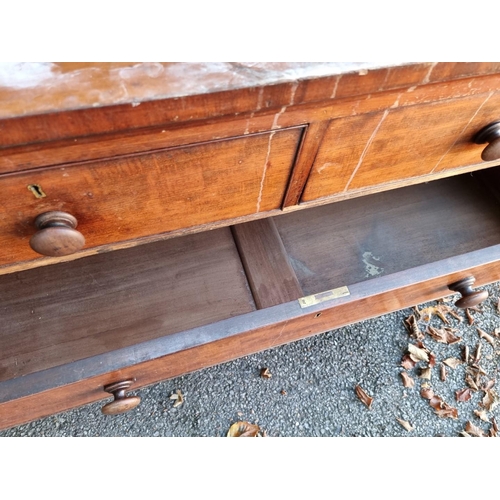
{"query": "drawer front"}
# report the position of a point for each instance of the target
(127, 198)
(401, 143)
(287, 323)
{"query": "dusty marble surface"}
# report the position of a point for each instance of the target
(40, 87)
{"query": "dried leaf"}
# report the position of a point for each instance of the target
(440, 310)
(465, 353)
(363, 397)
(471, 383)
(490, 400)
(493, 428)
(407, 380)
(411, 324)
(443, 373)
(417, 354)
(452, 362)
(265, 373)
(473, 430)
(442, 409)
(477, 356)
(470, 319)
(482, 415)
(496, 332)
(485, 336)
(243, 429)
(426, 392)
(179, 398)
(443, 335)
(405, 424)
(463, 394)
(425, 373)
(407, 363)
(283, 392)
(464, 434)
(488, 385)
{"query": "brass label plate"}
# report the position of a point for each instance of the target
(317, 298)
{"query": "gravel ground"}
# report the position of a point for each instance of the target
(311, 391)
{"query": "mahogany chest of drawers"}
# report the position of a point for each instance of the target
(160, 218)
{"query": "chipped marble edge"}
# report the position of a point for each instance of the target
(44, 87)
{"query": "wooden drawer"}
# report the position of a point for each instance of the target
(375, 151)
(128, 198)
(167, 308)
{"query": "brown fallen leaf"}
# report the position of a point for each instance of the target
(425, 373)
(443, 335)
(481, 414)
(471, 383)
(490, 400)
(464, 434)
(407, 363)
(485, 336)
(265, 373)
(417, 354)
(463, 394)
(179, 398)
(470, 319)
(440, 310)
(477, 356)
(411, 324)
(405, 424)
(407, 380)
(452, 362)
(443, 372)
(363, 397)
(496, 332)
(442, 409)
(465, 353)
(489, 384)
(243, 429)
(493, 428)
(473, 430)
(426, 392)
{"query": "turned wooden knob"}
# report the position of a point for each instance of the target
(491, 134)
(121, 402)
(470, 298)
(56, 235)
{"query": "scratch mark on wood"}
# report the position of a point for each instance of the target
(261, 190)
(387, 73)
(367, 145)
(335, 87)
(396, 102)
(275, 340)
(292, 93)
(259, 98)
(247, 128)
(428, 75)
(277, 117)
(462, 132)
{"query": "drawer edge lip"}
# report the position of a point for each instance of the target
(63, 375)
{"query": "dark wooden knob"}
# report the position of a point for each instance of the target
(470, 298)
(490, 134)
(121, 403)
(56, 235)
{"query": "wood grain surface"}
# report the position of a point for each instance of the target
(360, 239)
(52, 316)
(379, 148)
(136, 196)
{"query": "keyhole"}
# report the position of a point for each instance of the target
(37, 190)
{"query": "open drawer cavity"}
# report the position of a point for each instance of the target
(167, 308)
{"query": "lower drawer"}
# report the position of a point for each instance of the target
(167, 308)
